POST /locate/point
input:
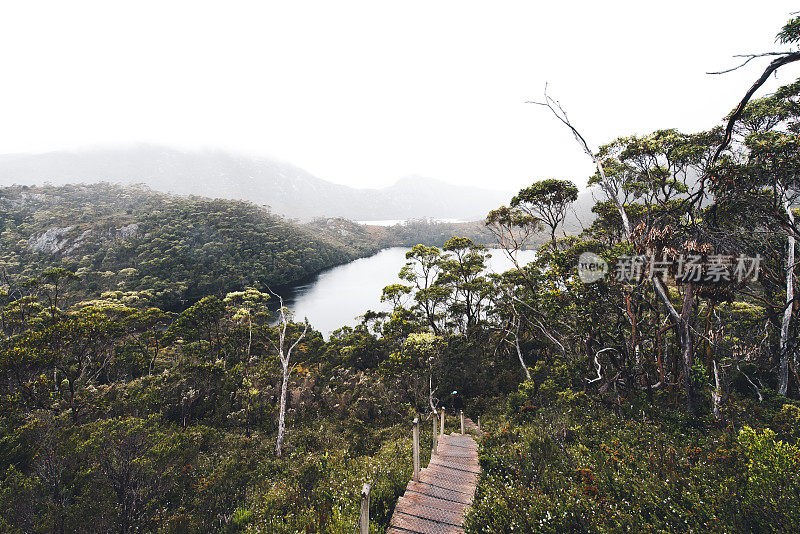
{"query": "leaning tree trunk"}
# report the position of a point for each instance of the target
(431, 392)
(519, 355)
(783, 378)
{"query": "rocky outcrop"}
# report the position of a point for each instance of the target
(63, 241)
(129, 231)
(53, 241)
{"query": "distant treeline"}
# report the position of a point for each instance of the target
(178, 248)
(181, 248)
(435, 233)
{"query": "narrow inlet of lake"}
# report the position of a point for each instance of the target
(338, 296)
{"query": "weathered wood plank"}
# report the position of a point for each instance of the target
(453, 475)
(432, 502)
(462, 444)
(417, 506)
(455, 452)
(422, 526)
(447, 483)
(438, 492)
(436, 503)
(468, 467)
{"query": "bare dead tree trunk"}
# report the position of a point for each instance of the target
(716, 395)
(431, 392)
(561, 115)
(519, 354)
(282, 408)
(783, 376)
(285, 356)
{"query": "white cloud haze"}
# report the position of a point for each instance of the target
(362, 93)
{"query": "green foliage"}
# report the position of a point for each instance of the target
(579, 468)
(773, 480)
(546, 201)
(790, 33)
(179, 248)
(787, 423)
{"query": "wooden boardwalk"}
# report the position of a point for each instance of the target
(437, 502)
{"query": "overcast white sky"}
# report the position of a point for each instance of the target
(362, 93)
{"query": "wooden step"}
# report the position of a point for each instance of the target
(459, 464)
(418, 525)
(431, 509)
(436, 504)
(440, 493)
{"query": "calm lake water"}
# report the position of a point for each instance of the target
(336, 297)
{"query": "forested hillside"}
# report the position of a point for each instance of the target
(434, 233)
(177, 249)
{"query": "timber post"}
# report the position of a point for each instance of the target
(416, 449)
(363, 519)
(462, 422)
(435, 444)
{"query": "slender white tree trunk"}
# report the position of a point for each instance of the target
(783, 379)
(285, 356)
(282, 409)
(519, 355)
(716, 395)
(431, 391)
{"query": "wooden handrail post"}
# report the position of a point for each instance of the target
(435, 445)
(442, 422)
(479, 422)
(363, 519)
(416, 449)
(462, 422)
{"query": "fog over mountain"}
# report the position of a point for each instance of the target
(285, 188)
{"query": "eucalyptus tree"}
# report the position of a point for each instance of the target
(666, 170)
(463, 271)
(426, 349)
(547, 200)
(79, 345)
(657, 171)
(422, 271)
(247, 307)
(202, 323)
(507, 320)
(762, 176)
(515, 230)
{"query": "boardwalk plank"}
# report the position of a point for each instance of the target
(439, 493)
(429, 501)
(419, 506)
(445, 479)
(454, 463)
(437, 502)
(422, 526)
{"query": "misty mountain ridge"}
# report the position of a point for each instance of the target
(287, 189)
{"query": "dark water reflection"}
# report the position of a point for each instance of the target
(336, 297)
